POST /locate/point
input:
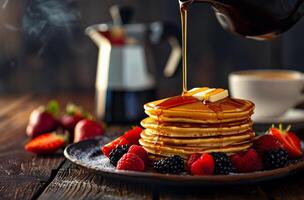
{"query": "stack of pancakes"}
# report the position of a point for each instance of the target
(197, 127)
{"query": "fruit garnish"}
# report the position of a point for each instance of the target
(46, 143)
(130, 161)
(275, 158)
(204, 165)
(248, 161)
(192, 158)
(139, 151)
(133, 135)
(106, 149)
(291, 143)
(266, 143)
(42, 120)
(117, 153)
(222, 163)
(170, 165)
(87, 129)
(130, 137)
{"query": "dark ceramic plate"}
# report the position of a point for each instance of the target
(88, 154)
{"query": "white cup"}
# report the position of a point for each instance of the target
(272, 91)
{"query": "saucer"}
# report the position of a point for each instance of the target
(293, 117)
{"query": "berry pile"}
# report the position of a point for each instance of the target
(278, 148)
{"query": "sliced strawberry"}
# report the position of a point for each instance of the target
(292, 137)
(133, 135)
(106, 149)
(130, 137)
(46, 143)
(289, 140)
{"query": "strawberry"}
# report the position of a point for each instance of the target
(291, 143)
(204, 165)
(73, 114)
(133, 135)
(42, 120)
(68, 122)
(247, 161)
(130, 137)
(46, 143)
(139, 151)
(192, 158)
(132, 162)
(87, 129)
(266, 143)
(106, 149)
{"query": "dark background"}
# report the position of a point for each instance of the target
(43, 46)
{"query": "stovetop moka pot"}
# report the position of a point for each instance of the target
(125, 78)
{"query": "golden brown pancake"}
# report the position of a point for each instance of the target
(185, 152)
(195, 130)
(204, 142)
(225, 110)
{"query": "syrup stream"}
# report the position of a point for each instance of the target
(184, 14)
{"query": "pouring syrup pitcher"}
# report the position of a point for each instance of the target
(257, 19)
(124, 79)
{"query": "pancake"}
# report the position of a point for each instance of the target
(190, 130)
(211, 141)
(185, 152)
(225, 110)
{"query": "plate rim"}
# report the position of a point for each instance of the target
(237, 178)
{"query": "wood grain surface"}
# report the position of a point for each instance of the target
(27, 176)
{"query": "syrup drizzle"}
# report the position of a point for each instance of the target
(176, 101)
(184, 14)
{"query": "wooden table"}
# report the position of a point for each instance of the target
(27, 176)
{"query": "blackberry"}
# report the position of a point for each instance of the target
(170, 165)
(117, 153)
(294, 161)
(222, 163)
(275, 158)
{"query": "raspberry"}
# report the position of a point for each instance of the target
(117, 153)
(139, 151)
(275, 158)
(192, 158)
(247, 161)
(266, 143)
(203, 165)
(131, 162)
(170, 165)
(222, 162)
